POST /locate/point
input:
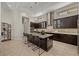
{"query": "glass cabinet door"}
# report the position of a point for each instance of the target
(55, 23)
(58, 23)
(43, 24)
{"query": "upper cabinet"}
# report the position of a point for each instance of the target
(42, 21)
(34, 25)
(66, 11)
(66, 22)
(40, 25)
(43, 24)
(65, 17)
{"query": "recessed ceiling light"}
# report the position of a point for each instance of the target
(31, 7)
(35, 2)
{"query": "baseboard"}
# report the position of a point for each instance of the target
(5, 40)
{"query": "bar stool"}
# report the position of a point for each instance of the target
(30, 40)
(36, 41)
(25, 36)
(28, 36)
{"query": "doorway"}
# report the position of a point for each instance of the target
(26, 24)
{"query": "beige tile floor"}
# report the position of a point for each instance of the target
(18, 48)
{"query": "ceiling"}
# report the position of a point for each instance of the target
(36, 8)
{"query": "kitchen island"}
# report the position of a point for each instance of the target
(43, 41)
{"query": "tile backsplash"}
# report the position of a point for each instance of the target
(66, 30)
(50, 29)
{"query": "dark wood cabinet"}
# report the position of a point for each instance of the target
(44, 43)
(67, 22)
(34, 25)
(39, 25)
(70, 39)
(43, 24)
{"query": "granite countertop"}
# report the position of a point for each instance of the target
(61, 32)
(41, 36)
(66, 33)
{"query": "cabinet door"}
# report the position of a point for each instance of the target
(57, 37)
(43, 24)
(70, 39)
(69, 22)
(58, 24)
(55, 24)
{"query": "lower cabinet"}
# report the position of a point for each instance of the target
(70, 39)
(49, 43)
(46, 43)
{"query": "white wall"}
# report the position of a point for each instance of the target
(6, 14)
(18, 27)
(14, 18)
(11, 17)
(0, 20)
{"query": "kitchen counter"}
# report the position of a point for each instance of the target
(42, 36)
(66, 33)
(69, 38)
(59, 32)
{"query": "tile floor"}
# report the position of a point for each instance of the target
(18, 48)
